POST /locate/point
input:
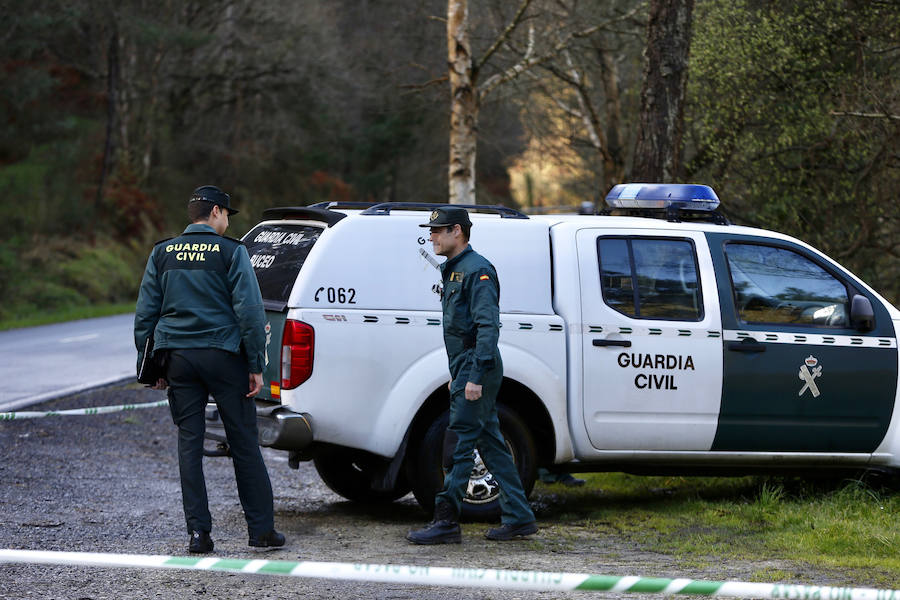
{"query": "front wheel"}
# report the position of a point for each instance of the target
(350, 473)
(425, 468)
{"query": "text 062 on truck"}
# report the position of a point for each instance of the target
(656, 338)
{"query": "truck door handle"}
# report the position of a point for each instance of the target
(747, 345)
(623, 343)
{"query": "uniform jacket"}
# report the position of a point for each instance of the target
(199, 291)
(471, 317)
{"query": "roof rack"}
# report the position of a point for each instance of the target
(384, 208)
(346, 204)
(311, 213)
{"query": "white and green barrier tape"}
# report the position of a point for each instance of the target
(468, 577)
(96, 410)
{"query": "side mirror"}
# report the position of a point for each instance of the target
(861, 314)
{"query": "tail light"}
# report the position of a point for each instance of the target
(297, 347)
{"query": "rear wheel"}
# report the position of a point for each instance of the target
(350, 473)
(482, 500)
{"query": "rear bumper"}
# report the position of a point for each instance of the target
(279, 428)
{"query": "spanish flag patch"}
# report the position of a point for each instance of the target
(483, 277)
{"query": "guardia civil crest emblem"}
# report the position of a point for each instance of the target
(809, 371)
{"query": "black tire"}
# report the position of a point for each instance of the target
(425, 466)
(349, 473)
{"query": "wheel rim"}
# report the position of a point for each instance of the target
(482, 487)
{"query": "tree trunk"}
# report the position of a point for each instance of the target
(112, 82)
(614, 159)
(127, 56)
(463, 105)
(657, 155)
(153, 117)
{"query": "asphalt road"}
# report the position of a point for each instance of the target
(52, 361)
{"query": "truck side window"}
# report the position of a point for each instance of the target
(650, 278)
(777, 285)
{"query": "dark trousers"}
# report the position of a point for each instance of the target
(193, 375)
(475, 423)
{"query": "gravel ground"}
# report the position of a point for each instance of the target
(109, 483)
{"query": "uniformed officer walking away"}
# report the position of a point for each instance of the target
(471, 307)
(201, 301)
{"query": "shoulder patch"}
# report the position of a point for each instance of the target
(483, 277)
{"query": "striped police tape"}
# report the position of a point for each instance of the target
(467, 577)
(96, 410)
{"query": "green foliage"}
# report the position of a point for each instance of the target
(39, 94)
(102, 274)
(34, 295)
(777, 94)
(43, 193)
(286, 104)
(114, 111)
(769, 498)
(45, 275)
(382, 143)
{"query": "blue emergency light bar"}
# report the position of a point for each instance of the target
(663, 195)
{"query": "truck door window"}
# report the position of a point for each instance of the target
(650, 278)
(777, 285)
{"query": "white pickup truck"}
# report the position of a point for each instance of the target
(661, 340)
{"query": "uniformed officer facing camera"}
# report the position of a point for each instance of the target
(471, 319)
(200, 299)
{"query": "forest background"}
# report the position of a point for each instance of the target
(114, 111)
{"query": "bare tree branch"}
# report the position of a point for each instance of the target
(865, 115)
(863, 238)
(588, 114)
(412, 87)
(504, 35)
(527, 63)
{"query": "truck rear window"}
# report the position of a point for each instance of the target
(277, 252)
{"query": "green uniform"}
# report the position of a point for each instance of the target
(200, 298)
(199, 291)
(471, 322)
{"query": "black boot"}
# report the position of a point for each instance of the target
(444, 529)
(273, 539)
(200, 543)
(504, 533)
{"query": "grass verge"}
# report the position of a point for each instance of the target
(71, 313)
(846, 527)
